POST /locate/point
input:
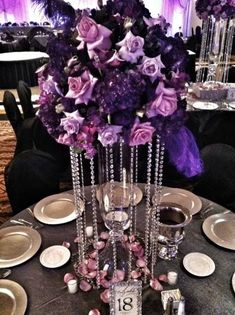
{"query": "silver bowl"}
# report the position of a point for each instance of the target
(173, 219)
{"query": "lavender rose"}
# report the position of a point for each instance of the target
(66, 139)
(95, 35)
(165, 104)
(72, 122)
(81, 87)
(141, 133)
(131, 47)
(109, 135)
(49, 85)
(152, 67)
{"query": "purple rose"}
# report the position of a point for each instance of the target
(160, 20)
(131, 47)
(81, 87)
(66, 139)
(48, 85)
(72, 122)
(109, 135)
(165, 103)
(141, 133)
(95, 35)
(152, 67)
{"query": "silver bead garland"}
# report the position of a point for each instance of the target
(94, 216)
(147, 213)
(113, 238)
(78, 202)
(158, 178)
(131, 208)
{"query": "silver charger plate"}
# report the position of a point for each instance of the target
(13, 298)
(233, 282)
(56, 209)
(182, 198)
(220, 229)
(17, 245)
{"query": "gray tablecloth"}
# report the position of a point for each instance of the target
(47, 293)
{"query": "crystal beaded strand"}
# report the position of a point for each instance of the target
(77, 201)
(131, 208)
(228, 47)
(83, 195)
(121, 158)
(147, 212)
(160, 150)
(222, 55)
(136, 182)
(203, 51)
(107, 164)
(111, 166)
(153, 214)
(94, 217)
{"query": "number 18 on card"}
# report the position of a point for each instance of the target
(126, 298)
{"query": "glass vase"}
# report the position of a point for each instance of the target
(115, 196)
(216, 39)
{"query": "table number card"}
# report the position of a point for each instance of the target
(126, 298)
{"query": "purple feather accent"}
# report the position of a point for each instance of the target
(57, 9)
(183, 152)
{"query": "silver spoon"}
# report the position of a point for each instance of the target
(17, 222)
(4, 273)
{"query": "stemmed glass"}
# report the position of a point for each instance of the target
(115, 195)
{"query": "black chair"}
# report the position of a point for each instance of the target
(24, 93)
(39, 163)
(21, 127)
(29, 177)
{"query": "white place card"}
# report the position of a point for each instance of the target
(126, 298)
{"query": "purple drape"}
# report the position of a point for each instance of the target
(14, 10)
(178, 14)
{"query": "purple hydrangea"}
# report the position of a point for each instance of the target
(128, 8)
(119, 91)
(217, 8)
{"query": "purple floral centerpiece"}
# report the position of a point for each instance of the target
(114, 74)
(115, 82)
(217, 8)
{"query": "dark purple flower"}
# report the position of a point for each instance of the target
(217, 8)
(119, 91)
(131, 8)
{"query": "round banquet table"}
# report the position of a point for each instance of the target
(21, 65)
(47, 293)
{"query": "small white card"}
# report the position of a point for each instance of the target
(126, 298)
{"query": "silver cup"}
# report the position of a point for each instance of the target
(173, 219)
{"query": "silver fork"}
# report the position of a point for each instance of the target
(25, 223)
(4, 273)
(30, 211)
(209, 207)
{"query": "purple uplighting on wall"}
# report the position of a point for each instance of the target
(176, 12)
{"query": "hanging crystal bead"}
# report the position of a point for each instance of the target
(147, 213)
(94, 216)
(78, 202)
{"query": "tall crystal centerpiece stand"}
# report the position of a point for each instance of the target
(116, 194)
(216, 48)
